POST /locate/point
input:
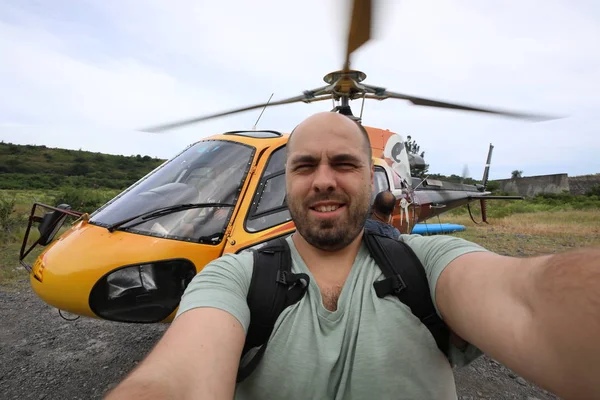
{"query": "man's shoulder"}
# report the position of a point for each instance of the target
(437, 251)
(370, 222)
(436, 247)
(437, 242)
(382, 228)
(241, 260)
(223, 283)
(230, 267)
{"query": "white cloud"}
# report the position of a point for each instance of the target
(153, 61)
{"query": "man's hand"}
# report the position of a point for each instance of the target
(198, 357)
(539, 316)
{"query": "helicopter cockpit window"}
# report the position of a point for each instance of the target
(210, 171)
(269, 205)
(381, 181)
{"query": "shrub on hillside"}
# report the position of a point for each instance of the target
(493, 186)
(594, 191)
(10, 220)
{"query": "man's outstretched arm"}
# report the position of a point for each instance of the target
(539, 316)
(197, 357)
(199, 354)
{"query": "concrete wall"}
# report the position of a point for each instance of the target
(581, 184)
(529, 186)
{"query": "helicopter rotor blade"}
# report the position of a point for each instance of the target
(419, 101)
(307, 97)
(359, 31)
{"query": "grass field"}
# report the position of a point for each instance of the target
(518, 228)
(15, 207)
(528, 234)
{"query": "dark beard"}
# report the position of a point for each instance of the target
(327, 236)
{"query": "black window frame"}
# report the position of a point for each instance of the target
(257, 195)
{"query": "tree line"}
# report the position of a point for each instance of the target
(41, 167)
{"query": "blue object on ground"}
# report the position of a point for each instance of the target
(431, 229)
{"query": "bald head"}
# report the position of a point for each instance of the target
(384, 203)
(329, 178)
(329, 122)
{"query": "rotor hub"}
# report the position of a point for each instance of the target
(357, 76)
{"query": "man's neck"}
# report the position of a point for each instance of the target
(378, 217)
(335, 262)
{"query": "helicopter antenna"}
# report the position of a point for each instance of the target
(362, 107)
(263, 110)
(424, 179)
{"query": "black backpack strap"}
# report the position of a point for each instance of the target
(405, 278)
(273, 288)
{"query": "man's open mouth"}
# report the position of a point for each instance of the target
(326, 207)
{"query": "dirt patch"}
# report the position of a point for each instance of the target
(43, 356)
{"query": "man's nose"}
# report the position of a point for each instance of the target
(324, 179)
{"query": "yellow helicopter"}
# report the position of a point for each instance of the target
(131, 259)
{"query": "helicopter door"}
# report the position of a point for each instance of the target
(267, 216)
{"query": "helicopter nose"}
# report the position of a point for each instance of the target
(119, 276)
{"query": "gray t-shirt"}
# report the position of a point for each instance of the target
(369, 348)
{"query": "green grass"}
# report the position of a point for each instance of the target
(540, 203)
(15, 208)
(11, 271)
(24, 199)
(532, 233)
(80, 199)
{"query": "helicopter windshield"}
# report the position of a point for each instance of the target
(210, 171)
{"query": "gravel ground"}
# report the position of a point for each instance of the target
(43, 356)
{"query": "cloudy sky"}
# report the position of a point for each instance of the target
(89, 73)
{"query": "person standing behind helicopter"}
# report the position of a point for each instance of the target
(380, 220)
